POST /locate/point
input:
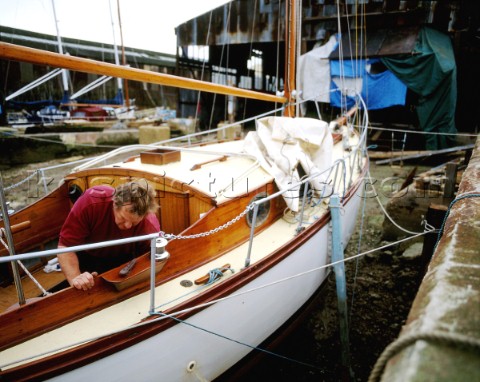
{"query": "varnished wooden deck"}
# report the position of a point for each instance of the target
(8, 295)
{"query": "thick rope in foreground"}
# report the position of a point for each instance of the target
(451, 339)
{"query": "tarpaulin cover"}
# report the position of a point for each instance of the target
(379, 90)
(430, 72)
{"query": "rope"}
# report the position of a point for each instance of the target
(34, 280)
(217, 274)
(385, 211)
(451, 339)
(458, 198)
(250, 55)
(197, 108)
(200, 306)
(199, 377)
(237, 341)
(27, 272)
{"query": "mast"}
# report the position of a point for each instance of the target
(117, 60)
(60, 50)
(290, 55)
(124, 61)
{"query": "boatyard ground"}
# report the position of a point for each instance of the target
(380, 286)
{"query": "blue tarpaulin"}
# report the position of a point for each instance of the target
(379, 90)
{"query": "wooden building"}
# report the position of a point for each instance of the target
(242, 43)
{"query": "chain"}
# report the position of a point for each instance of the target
(212, 231)
(22, 181)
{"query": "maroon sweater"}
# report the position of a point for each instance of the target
(91, 220)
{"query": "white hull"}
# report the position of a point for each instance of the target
(185, 352)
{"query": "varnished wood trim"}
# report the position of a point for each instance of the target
(73, 358)
(42, 57)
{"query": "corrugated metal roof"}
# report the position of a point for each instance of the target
(385, 42)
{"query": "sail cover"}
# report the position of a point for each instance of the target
(290, 148)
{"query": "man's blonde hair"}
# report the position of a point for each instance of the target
(138, 194)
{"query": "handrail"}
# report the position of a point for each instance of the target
(11, 247)
(42, 57)
(102, 244)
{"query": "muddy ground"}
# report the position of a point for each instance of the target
(381, 287)
(380, 290)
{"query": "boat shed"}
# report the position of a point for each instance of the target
(16, 74)
(242, 43)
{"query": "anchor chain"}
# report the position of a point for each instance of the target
(171, 236)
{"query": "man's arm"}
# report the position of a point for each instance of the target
(71, 269)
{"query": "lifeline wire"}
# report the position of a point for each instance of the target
(236, 341)
(213, 301)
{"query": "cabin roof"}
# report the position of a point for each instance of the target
(217, 170)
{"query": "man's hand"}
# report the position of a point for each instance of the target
(84, 281)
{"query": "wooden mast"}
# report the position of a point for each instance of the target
(290, 56)
(41, 57)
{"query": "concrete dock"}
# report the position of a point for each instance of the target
(18, 149)
(441, 338)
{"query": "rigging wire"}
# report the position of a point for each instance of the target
(250, 54)
(340, 59)
(202, 73)
(277, 69)
(225, 29)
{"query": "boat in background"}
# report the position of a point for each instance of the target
(244, 246)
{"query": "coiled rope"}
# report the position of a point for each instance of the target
(217, 274)
(450, 339)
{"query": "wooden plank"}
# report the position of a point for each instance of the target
(425, 154)
(41, 57)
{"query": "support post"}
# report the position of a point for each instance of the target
(450, 181)
(11, 246)
(153, 251)
(339, 270)
(435, 216)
